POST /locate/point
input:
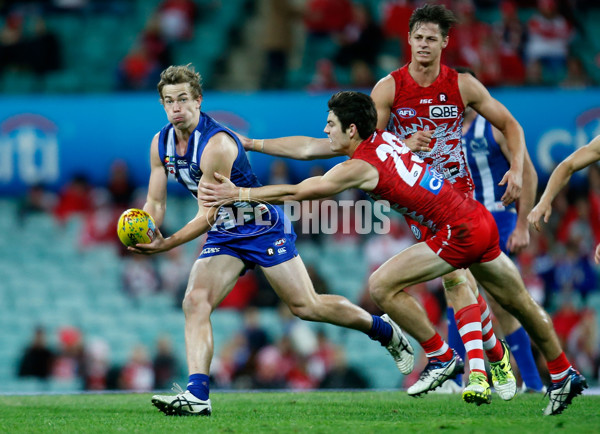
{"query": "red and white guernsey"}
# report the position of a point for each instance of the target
(413, 188)
(461, 232)
(438, 107)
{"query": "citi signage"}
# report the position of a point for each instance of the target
(28, 150)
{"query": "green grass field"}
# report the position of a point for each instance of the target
(321, 412)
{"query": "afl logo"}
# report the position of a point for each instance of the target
(406, 112)
(416, 232)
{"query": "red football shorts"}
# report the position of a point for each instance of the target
(469, 240)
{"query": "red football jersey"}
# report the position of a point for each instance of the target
(438, 107)
(412, 187)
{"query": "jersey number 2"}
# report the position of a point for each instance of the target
(395, 149)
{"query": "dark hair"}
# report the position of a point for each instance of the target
(181, 74)
(436, 14)
(354, 108)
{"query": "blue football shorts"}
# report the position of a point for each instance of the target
(266, 249)
(506, 222)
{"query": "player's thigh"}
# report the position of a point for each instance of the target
(291, 281)
(413, 265)
(501, 279)
(214, 277)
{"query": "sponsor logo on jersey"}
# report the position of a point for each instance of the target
(416, 232)
(442, 97)
(195, 170)
(406, 112)
(451, 171)
(209, 250)
(270, 251)
(280, 242)
(281, 250)
(426, 101)
(443, 111)
(432, 180)
(170, 164)
(479, 145)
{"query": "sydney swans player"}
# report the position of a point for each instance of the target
(464, 232)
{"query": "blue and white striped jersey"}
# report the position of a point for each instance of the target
(487, 165)
(239, 219)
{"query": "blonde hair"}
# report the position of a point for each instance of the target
(177, 74)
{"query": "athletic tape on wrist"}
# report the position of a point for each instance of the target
(258, 144)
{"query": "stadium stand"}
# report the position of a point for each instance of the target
(49, 281)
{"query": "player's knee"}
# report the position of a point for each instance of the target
(454, 279)
(196, 302)
(378, 288)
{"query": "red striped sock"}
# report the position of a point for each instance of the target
(491, 345)
(559, 368)
(438, 348)
(468, 321)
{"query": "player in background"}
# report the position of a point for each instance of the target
(190, 148)
(464, 232)
(488, 158)
(423, 104)
(560, 177)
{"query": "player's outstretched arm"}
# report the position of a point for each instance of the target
(219, 155)
(346, 175)
(560, 177)
(295, 147)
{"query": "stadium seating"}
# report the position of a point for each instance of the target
(48, 281)
(91, 50)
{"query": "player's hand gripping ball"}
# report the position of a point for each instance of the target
(136, 226)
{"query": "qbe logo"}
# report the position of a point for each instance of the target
(443, 111)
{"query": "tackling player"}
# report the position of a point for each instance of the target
(423, 103)
(464, 232)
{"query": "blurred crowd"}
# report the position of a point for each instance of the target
(504, 49)
(327, 44)
(87, 363)
(291, 357)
